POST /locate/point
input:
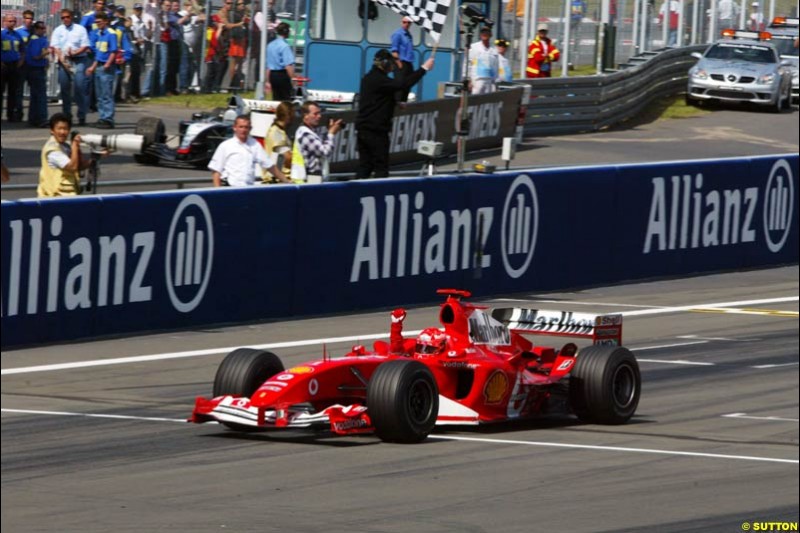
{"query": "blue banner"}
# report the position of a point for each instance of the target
(111, 265)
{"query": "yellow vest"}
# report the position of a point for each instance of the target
(56, 181)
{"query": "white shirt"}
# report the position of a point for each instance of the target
(69, 39)
(240, 163)
(152, 13)
(483, 61)
(56, 159)
(189, 28)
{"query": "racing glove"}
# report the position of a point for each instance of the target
(398, 315)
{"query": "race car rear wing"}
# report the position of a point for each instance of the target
(602, 329)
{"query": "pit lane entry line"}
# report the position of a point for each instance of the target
(464, 439)
(351, 338)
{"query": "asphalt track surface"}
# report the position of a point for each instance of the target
(97, 443)
(732, 131)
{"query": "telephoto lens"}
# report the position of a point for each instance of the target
(123, 143)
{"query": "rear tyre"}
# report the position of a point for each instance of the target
(242, 372)
(605, 385)
(153, 131)
(403, 401)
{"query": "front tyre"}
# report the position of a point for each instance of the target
(241, 373)
(403, 401)
(605, 385)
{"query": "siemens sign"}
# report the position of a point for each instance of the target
(109, 265)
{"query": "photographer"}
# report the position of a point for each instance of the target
(376, 110)
(61, 160)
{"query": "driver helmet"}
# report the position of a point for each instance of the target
(431, 341)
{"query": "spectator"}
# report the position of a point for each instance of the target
(504, 71)
(139, 42)
(71, 44)
(13, 58)
(191, 27)
(26, 32)
(280, 65)
(728, 12)
(483, 64)
(215, 58)
(541, 54)
(151, 18)
(236, 160)
(577, 10)
(756, 20)
(36, 62)
(171, 39)
(402, 49)
(61, 160)
(314, 144)
(120, 25)
(235, 21)
(375, 112)
(674, 9)
(277, 143)
(104, 45)
(88, 19)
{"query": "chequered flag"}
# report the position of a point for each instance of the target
(430, 14)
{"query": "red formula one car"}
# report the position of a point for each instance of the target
(480, 368)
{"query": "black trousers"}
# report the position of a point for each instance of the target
(12, 87)
(373, 154)
(281, 85)
(406, 70)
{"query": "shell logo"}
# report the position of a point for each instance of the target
(496, 387)
(301, 370)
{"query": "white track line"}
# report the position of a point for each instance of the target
(90, 415)
(311, 342)
(466, 439)
(617, 449)
(768, 418)
(675, 362)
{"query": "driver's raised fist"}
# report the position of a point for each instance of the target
(398, 315)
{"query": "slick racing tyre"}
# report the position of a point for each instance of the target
(242, 372)
(153, 131)
(605, 384)
(403, 401)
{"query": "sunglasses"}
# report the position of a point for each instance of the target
(66, 17)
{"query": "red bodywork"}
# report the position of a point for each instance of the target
(489, 372)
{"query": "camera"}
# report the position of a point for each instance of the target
(124, 143)
(430, 148)
(476, 16)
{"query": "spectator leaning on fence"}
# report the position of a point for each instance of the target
(238, 161)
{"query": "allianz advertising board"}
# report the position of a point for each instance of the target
(94, 266)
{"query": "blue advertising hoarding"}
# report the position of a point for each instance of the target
(110, 265)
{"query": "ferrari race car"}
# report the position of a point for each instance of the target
(479, 369)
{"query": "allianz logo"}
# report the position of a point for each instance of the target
(49, 273)
(404, 237)
(684, 215)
